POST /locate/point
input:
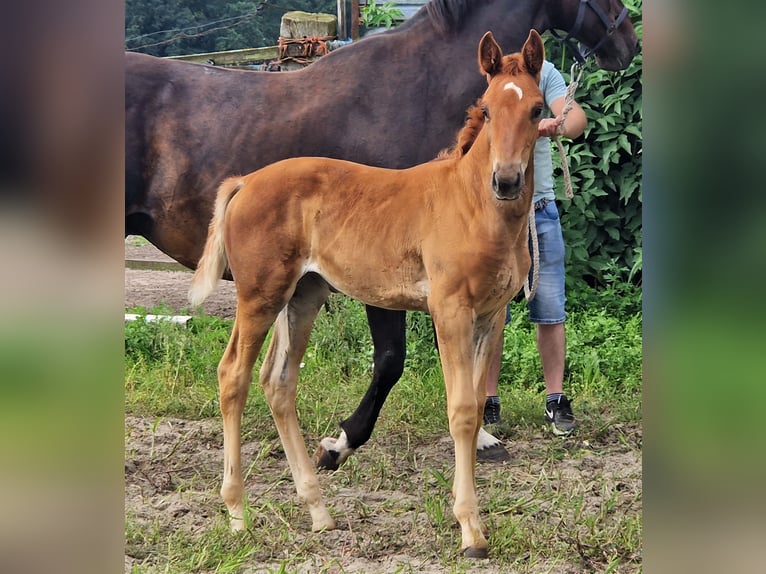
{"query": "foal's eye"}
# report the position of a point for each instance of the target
(485, 112)
(537, 112)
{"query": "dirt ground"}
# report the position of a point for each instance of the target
(148, 289)
(173, 471)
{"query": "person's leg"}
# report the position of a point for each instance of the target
(551, 344)
(546, 309)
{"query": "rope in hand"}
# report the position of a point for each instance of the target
(568, 102)
(530, 290)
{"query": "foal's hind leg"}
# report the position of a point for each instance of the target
(279, 376)
(235, 372)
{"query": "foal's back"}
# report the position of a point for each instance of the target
(361, 228)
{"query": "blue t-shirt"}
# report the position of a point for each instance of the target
(553, 87)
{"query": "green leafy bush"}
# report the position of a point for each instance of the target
(602, 223)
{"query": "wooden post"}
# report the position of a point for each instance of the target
(354, 19)
(302, 36)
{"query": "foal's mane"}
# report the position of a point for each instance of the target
(445, 15)
(513, 64)
(474, 121)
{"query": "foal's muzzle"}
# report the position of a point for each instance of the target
(507, 184)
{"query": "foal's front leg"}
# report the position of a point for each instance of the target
(455, 330)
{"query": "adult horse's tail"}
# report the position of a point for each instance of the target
(214, 261)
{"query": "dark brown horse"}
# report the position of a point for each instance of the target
(189, 126)
(295, 229)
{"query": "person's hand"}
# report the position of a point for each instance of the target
(548, 127)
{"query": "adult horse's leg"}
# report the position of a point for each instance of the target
(388, 330)
(235, 373)
(388, 338)
(279, 377)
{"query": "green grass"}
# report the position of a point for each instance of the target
(171, 370)
(136, 240)
(561, 502)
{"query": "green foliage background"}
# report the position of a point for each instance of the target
(602, 223)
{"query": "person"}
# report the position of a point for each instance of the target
(546, 309)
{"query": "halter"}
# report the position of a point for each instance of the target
(610, 27)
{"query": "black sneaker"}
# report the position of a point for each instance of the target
(559, 415)
(492, 411)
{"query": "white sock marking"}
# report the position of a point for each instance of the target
(485, 440)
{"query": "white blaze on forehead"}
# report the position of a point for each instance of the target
(515, 88)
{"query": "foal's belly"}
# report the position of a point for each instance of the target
(389, 289)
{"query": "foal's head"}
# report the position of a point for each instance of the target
(512, 108)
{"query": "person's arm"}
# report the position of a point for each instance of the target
(574, 125)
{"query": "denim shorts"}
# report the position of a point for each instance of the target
(547, 306)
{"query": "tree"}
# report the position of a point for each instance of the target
(176, 27)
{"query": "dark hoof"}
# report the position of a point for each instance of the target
(471, 552)
(494, 453)
(326, 460)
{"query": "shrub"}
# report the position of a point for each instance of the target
(602, 223)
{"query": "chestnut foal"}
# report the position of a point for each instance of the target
(448, 237)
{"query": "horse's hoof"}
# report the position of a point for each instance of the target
(323, 525)
(472, 552)
(494, 453)
(325, 459)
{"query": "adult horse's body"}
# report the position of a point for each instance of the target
(189, 126)
(448, 237)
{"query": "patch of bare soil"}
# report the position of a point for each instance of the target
(173, 474)
(150, 288)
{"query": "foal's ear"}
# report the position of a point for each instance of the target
(490, 55)
(534, 54)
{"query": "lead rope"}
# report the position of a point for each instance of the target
(568, 102)
(530, 290)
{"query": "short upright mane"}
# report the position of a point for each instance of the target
(513, 64)
(448, 14)
(474, 121)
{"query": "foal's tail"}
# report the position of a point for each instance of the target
(214, 261)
